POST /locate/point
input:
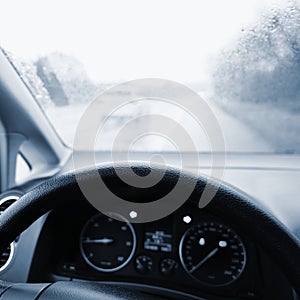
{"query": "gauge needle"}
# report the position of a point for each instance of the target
(104, 241)
(204, 260)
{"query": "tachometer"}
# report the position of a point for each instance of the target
(107, 244)
(212, 253)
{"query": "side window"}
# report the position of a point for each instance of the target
(23, 169)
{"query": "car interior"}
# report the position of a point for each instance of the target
(76, 223)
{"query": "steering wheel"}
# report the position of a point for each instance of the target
(267, 231)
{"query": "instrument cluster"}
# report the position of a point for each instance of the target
(208, 251)
(192, 251)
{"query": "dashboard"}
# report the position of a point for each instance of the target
(191, 252)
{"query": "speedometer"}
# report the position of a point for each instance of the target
(212, 253)
(107, 244)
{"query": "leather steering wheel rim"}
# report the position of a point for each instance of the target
(265, 229)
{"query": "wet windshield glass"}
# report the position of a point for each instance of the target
(242, 57)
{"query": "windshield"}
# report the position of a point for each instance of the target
(241, 57)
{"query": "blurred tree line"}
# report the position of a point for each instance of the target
(264, 65)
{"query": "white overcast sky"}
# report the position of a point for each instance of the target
(118, 40)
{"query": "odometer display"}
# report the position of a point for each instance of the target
(212, 253)
(107, 244)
